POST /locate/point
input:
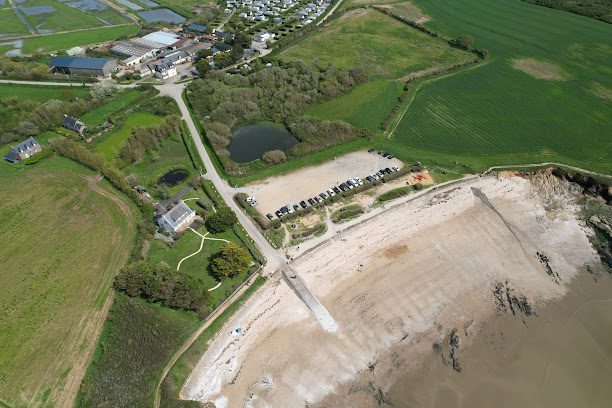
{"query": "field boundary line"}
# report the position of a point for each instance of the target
(414, 91)
(578, 169)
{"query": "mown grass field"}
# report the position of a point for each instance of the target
(365, 107)
(495, 114)
(112, 140)
(63, 41)
(385, 47)
(61, 243)
(137, 340)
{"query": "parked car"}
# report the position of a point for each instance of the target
(395, 168)
(390, 156)
(296, 207)
(270, 216)
(370, 150)
(311, 201)
(369, 179)
(331, 193)
(385, 154)
(343, 187)
(303, 204)
(323, 196)
(317, 199)
(337, 190)
(388, 170)
(359, 181)
(278, 213)
(380, 152)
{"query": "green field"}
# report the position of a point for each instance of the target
(10, 24)
(495, 114)
(62, 241)
(138, 339)
(112, 140)
(119, 102)
(366, 106)
(197, 265)
(385, 47)
(54, 42)
(41, 93)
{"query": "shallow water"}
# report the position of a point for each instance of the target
(252, 141)
(174, 177)
(562, 358)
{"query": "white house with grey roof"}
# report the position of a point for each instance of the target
(177, 219)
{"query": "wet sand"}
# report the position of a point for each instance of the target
(561, 358)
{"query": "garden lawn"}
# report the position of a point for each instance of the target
(111, 142)
(119, 102)
(384, 46)
(366, 106)
(62, 41)
(198, 265)
(138, 339)
(496, 114)
(61, 243)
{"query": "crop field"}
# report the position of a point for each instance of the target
(385, 47)
(110, 146)
(138, 339)
(497, 114)
(365, 107)
(10, 25)
(197, 265)
(62, 41)
(62, 238)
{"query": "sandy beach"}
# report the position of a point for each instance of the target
(395, 284)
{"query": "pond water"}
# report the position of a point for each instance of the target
(174, 177)
(250, 142)
(161, 16)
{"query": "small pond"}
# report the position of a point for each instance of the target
(250, 142)
(161, 16)
(174, 177)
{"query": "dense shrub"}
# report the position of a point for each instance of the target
(274, 157)
(222, 220)
(145, 138)
(160, 283)
(232, 260)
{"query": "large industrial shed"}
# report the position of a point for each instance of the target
(83, 66)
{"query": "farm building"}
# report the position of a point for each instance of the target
(165, 71)
(73, 124)
(23, 150)
(177, 219)
(83, 66)
(199, 28)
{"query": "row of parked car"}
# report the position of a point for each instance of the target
(331, 192)
(382, 153)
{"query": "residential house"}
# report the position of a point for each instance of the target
(23, 150)
(73, 124)
(177, 219)
(165, 71)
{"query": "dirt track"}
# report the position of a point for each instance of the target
(390, 283)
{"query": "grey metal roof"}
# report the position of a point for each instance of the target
(79, 62)
(197, 27)
(177, 214)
